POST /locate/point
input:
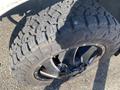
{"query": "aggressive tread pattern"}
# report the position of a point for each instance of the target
(40, 29)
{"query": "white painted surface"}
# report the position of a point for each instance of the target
(6, 5)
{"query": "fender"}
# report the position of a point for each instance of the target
(7, 5)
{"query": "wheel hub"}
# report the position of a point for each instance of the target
(79, 59)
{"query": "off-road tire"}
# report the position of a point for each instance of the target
(66, 24)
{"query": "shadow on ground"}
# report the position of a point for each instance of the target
(55, 85)
(101, 75)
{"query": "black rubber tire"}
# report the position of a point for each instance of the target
(55, 29)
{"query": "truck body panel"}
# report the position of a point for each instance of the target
(7, 5)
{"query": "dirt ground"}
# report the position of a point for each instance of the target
(103, 75)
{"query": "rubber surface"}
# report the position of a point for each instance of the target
(64, 25)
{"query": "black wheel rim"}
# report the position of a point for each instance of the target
(77, 60)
